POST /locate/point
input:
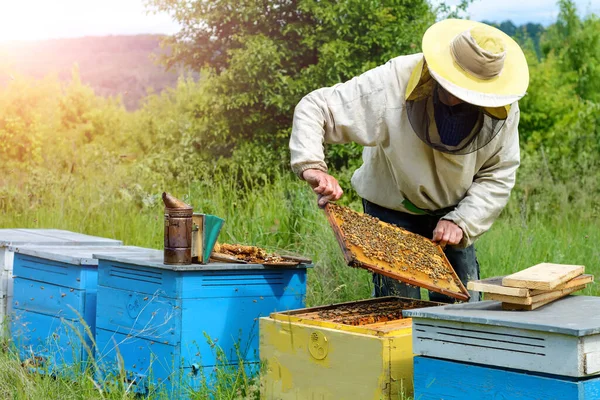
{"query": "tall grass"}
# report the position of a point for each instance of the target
(280, 214)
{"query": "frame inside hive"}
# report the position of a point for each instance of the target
(386, 249)
(379, 316)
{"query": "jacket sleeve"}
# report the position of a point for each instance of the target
(491, 188)
(347, 112)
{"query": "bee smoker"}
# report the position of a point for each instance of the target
(178, 231)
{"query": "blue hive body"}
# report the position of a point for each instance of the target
(35, 237)
(167, 322)
(55, 305)
(436, 379)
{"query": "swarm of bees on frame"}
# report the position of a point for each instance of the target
(398, 248)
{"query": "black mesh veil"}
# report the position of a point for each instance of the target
(469, 127)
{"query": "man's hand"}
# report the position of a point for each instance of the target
(323, 184)
(447, 232)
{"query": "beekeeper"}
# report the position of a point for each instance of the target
(439, 130)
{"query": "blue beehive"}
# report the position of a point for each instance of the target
(159, 318)
(37, 237)
(480, 351)
(55, 304)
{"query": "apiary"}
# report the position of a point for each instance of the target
(54, 303)
(39, 237)
(357, 350)
(557, 345)
(166, 322)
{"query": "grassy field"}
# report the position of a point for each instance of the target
(281, 215)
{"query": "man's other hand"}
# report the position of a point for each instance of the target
(323, 184)
(447, 232)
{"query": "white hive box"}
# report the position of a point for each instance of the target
(561, 338)
(35, 237)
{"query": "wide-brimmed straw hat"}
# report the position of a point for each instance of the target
(476, 62)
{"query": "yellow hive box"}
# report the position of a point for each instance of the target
(358, 350)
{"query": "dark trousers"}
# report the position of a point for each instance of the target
(463, 260)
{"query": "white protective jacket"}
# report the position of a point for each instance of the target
(370, 110)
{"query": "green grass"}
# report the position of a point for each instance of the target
(280, 215)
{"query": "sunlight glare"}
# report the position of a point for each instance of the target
(44, 19)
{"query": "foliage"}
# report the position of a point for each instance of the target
(559, 115)
(522, 33)
(260, 57)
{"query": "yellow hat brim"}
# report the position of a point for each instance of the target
(512, 81)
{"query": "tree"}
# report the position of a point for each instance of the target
(259, 57)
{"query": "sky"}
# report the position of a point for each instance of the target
(49, 19)
(522, 11)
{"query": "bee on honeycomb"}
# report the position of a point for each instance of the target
(400, 249)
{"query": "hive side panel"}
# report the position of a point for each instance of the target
(440, 379)
(56, 344)
(231, 321)
(252, 283)
(48, 271)
(139, 314)
(151, 281)
(498, 346)
(7, 284)
(147, 363)
(590, 390)
(49, 299)
(590, 355)
(347, 365)
(401, 365)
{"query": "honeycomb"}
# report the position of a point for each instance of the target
(401, 250)
(250, 254)
(368, 313)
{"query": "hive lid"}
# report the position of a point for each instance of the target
(76, 255)
(386, 249)
(154, 259)
(572, 315)
(54, 237)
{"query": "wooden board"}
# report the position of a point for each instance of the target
(577, 281)
(529, 299)
(430, 270)
(494, 285)
(545, 276)
(547, 299)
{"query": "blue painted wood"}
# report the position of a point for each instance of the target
(154, 317)
(163, 322)
(48, 271)
(49, 299)
(50, 344)
(54, 302)
(154, 366)
(436, 379)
